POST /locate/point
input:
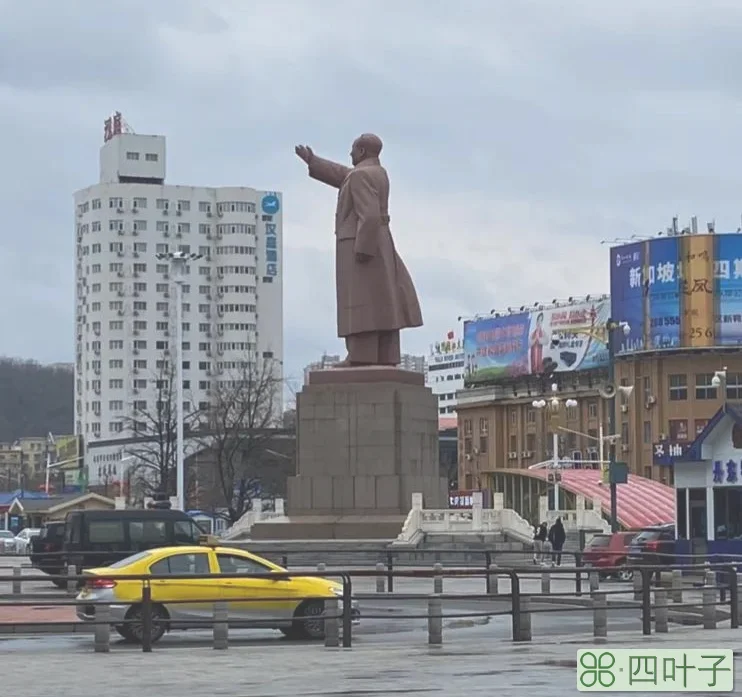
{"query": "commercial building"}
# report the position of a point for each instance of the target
(232, 309)
(676, 309)
(445, 372)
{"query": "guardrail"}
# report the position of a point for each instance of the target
(654, 601)
(394, 559)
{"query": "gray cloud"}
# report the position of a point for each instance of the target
(518, 135)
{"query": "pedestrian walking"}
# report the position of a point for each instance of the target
(539, 541)
(557, 537)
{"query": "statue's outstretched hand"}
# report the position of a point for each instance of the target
(304, 152)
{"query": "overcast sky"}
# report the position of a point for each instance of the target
(518, 135)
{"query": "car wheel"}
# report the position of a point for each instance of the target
(134, 629)
(308, 622)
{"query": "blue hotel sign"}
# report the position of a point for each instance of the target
(727, 472)
(665, 453)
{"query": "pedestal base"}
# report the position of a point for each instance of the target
(367, 440)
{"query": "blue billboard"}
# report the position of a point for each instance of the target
(496, 348)
(728, 283)
(663, 291)
(628, 295)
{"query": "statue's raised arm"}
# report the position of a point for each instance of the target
(326, 171)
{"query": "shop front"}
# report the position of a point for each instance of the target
(708, 485)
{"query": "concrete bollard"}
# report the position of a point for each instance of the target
(660, 611)
(600, 614)
(594, 580)
(221, 625)
(380, 581)
(545, 582)
(435, 621)
(494, 580)
(102, 629)
(71, 582)
(637, 584)
(666, 580)
(17, 580)
(332, 622)
(438, 578)
(677, 586)
(709, 600)
(525, 619)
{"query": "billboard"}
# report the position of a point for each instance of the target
(728, 281)
(678, 292)
(627, 295)
(511, 346)
(663, 294)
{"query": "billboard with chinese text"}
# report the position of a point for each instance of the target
(678, 292)
(511, 346)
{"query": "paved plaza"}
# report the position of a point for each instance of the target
(466, 664)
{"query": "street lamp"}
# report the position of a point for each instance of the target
(612, 326)
(178, 268)
(554, 405)
(51, 465)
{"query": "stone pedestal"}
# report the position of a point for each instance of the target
(367, 439)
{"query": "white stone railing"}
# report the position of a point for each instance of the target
(579, 519)
(256, 514)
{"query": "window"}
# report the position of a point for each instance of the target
(531, 442)
(678, 387)
(186, 531)
(530, 416)
(647, 432)
(148, 532)
(513, 442)
(571, 413)
(704, 387)
(106, 532)
(734, 386)
(132, 155)
(467, 427)
(592, 410)
(233, 564)
(151, 157)
(181, 564)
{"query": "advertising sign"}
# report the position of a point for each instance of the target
(698, 304)
(728, 281)
(627, 295)
(663, 293)
(271, 250)
(520, 344)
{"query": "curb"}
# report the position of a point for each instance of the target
(35, 629)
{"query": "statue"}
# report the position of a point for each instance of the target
(375, 294)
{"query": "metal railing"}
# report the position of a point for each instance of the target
(654, 601)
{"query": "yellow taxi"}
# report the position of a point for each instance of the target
(292, 605)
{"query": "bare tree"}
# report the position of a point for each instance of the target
(237, 429)
(154, 425)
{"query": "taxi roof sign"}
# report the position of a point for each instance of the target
(208, 540)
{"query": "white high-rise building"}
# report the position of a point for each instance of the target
(445, 374)
(124, 306)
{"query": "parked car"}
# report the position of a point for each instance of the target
(46, 551)
(609, 550)
(23, 539)
(7, 542)
(653, 546)
(296, 608)
(95, 539)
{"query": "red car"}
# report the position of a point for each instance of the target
(607, 550)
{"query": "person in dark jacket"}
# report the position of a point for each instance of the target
(557, 537)
(539, 540)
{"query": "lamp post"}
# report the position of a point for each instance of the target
(178, 270)
(554, 405)
(611, 327)
(52, 465)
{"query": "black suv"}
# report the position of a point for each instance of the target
(46, 551)
(653, 546)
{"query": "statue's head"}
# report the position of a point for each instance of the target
(365, 146)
